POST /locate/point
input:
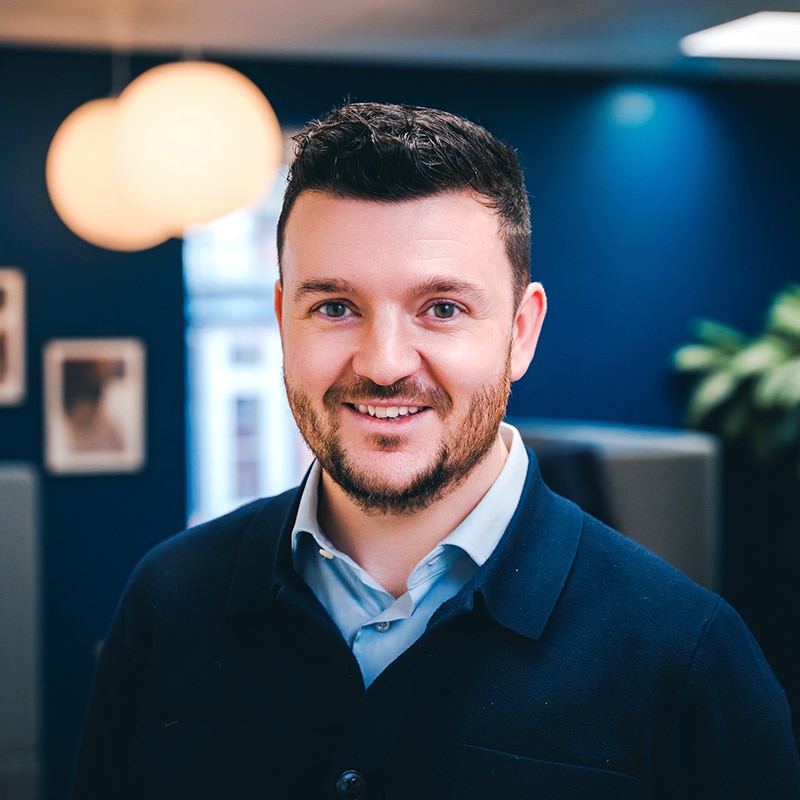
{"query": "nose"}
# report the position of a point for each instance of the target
(386, 352)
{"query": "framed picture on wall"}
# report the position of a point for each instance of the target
(12, 336)
(94, 405)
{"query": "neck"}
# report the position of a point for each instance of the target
(389, 546)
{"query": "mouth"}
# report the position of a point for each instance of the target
(386, 412)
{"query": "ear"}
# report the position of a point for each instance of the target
(278, 304)
(527, 327)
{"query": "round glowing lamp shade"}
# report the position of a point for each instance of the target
(83, 186)
(195, 141)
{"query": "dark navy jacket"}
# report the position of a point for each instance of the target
(575, 664)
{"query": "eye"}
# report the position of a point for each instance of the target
(444, 310)
(333, 309)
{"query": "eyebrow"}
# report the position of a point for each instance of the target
(324, 286)
(451, 286)
(432, 286)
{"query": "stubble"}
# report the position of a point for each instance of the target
(465, 442)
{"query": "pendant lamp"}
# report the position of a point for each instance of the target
(84, 186)
(195, 141)
(183, 144)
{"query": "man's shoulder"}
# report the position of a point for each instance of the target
(591, 554)
(606, 572)
(621, 574)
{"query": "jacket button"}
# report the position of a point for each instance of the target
(351, 785)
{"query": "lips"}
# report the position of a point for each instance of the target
(395, 402)
(387, 412)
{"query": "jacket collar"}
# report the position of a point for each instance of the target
(518, 586)
(522, 581)
(263, 564)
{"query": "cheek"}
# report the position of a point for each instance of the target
(311, 362)
(464, 370)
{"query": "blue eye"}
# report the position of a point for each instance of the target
(444, 310)
(333, 309)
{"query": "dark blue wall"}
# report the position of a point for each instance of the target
(95, 527)
(653, 203)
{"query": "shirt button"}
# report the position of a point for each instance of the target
(351, 785)
(382, 627)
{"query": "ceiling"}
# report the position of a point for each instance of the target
(638, 35)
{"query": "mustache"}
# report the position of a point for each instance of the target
(412, 391)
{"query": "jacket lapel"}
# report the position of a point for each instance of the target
(521, 582)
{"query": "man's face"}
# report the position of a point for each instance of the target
(400, 340)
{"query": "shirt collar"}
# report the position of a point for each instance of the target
(480, 532)
(306, 520)
(518, 586)
(477, 535)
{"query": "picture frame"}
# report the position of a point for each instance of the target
(12, 336)
(94, 405)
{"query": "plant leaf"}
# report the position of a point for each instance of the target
(784, 314)
(762, 354)
(722, 336)
(710, 393)
(698, 358)
(780, 387)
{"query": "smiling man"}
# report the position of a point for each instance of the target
(422, 618)
(402, 334)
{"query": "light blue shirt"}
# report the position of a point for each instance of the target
(377, 626)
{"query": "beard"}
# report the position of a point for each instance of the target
(465, 441)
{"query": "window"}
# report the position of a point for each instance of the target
(247, 418)
(243, 442)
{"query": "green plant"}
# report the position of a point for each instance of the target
(748, 389)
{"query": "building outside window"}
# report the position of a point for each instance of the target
(243, 442)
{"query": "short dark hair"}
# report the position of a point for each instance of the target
(386, 152)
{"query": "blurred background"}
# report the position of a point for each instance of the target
(664, 188)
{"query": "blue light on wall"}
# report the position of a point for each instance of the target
(646, 183)
(632, 107)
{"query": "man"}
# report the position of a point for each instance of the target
(423, 617)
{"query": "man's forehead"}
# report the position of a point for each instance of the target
(431, 226)
(311, 204)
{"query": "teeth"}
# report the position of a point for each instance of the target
(387, 412)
